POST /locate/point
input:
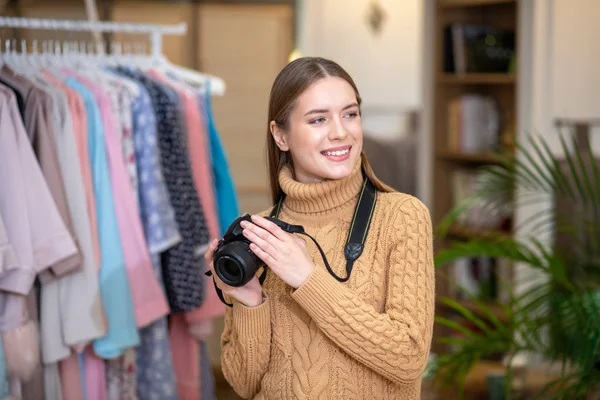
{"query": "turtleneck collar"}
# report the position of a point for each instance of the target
(313, 198)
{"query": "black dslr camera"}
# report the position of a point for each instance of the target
(235, 264)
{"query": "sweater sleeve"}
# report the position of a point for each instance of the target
(396, 342)
(246, 346)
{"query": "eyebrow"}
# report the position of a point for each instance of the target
(324, 110)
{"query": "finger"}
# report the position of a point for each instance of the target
(271, 227)
(264, 235)
(263, 255)
(259, 239)
(208, 256)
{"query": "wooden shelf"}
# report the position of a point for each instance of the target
(472, 3)
(467, 158)
(477, 79)
(447, 87)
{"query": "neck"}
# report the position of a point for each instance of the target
(320, 197)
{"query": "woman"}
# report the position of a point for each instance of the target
(304, 334)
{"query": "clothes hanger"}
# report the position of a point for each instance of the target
(11, 57)
(191, 77)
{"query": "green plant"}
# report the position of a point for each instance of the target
(558, 318)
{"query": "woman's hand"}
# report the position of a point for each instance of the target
(283, 253)
(249, 295)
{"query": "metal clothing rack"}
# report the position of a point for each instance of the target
(155, 32)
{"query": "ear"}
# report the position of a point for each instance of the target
(279, 135)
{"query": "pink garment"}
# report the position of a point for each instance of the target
(32, 221)
(199, 154)
(50, 240)
(95, 376)
(186, 359)
(41, 136)
(16, 276)
(149, 301)
(79, 116)
(70, 383)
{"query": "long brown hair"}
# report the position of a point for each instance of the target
(294, 79)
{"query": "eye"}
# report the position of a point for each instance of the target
(317, 121)
(352, 114)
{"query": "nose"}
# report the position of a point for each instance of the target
(337, 131)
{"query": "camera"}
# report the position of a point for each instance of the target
(235, 264)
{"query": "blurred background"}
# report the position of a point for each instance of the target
(446, 86)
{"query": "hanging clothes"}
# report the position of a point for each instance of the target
(116, 177)
(34, 224)
(182, 275)
(155, 380)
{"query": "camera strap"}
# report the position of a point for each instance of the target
(359, 228)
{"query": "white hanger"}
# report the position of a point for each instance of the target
(192, 77)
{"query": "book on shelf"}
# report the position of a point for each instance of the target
(473, 124)
(478, 48)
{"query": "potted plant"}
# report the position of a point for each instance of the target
(558, 318)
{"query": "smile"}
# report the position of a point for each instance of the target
(336, 153)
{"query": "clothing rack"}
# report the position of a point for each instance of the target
(155, 34)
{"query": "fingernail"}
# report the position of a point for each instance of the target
(244, 224)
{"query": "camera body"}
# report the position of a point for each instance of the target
(235, 264)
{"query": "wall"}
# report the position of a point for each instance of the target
(575, 56)
(386, 66)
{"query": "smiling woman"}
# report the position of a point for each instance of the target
(306, 332)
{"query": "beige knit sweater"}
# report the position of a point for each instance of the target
(368, 338)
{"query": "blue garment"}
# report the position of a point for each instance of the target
(155, 380)
(227, 202)
(114, 285)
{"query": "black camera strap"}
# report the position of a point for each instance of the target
(359, 228)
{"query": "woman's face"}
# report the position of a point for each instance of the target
(325, 132)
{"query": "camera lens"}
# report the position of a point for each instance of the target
(235, 264)
(230, 268)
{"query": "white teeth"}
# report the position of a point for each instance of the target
(337, 153)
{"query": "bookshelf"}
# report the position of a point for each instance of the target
(468, 93)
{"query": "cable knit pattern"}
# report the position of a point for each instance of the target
(368, 338)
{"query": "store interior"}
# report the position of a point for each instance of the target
(451, 89)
